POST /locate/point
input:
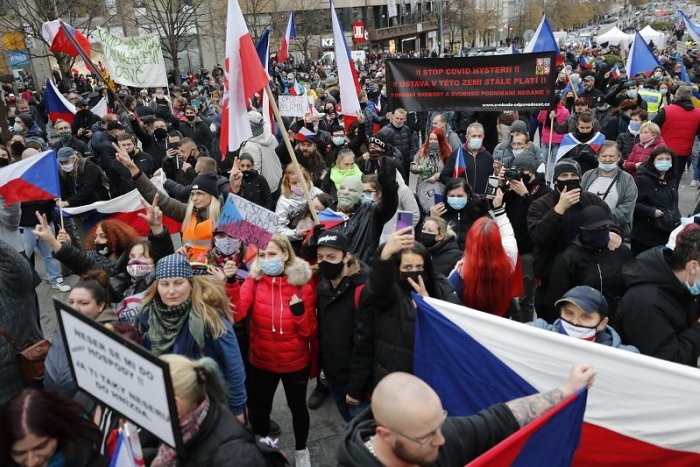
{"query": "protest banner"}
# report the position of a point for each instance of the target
(491, 83)
(134, 61)
(120, 374)
(246, 221)
(293, 106)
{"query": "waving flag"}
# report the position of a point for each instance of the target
(615, 72)
(641, 411)
(57, 105)
(244, 77)
(31, 179)
(512, 50)
(289, 34)
(583, 63)
(460, 165)
(59, 39)
(347, 75)
(543, 40)
(569, 142)
(531, 445)
(641, 59)
(297, 89)
(263, 48)
(692, 28)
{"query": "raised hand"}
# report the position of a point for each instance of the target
(398, 240)
(154, 216)
(123, 157)
(43, 231)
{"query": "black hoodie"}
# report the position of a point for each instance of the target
(657, 313)
(466, 438)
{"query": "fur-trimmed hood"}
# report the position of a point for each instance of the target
(298, 273)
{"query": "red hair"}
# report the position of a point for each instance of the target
(120, 236)
(445, 149)
(487, 272)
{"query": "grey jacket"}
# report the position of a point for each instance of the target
(9, 224)
(627, 197)
(607, 336)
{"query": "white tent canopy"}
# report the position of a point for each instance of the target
(650, 34)
(614, 37)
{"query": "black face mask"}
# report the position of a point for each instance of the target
(583, 136)
(160, 133)
(596, 238)
(412, 275)
(570, 185)
(248, 173)
(102, 250)
(330, 270)
(427, 239)
(17, 147)
(4, 162)
(569, 101)
(190, 117)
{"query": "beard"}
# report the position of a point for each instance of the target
(400, 451)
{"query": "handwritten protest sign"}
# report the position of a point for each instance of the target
(293, 106)
(134, 61)
(120, 374)
(247, 221)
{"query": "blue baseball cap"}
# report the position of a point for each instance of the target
(586, 298)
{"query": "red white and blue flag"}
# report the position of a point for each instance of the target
(641, 59)
(692, 28)
(460, 165)
(569, 142)
(641, 411)
(58, 106)
(289, 34)
(297, 89)
(244, 76)
(615, 72)
(263, 48)
(347, 74)
(31, 179)
(543, 41)
(59, 39)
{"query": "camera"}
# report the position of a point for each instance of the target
(513, 174)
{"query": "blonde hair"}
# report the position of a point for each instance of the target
(209, 301)
(194, 379)
(213, 212)
(651, 126)
(282, 242)
(444, 228)
(286, 187)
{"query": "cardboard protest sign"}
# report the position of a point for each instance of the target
(134, 61)
(120, 374)
(491, 83)
(247, 221)
(293, 106)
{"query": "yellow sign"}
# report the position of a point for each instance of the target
(13, 41)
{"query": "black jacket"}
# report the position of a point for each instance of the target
(478, 169)
(86, 188)
(445, 255)
(466, 438)
(174, 172)
(255, 189)
(462, 220)
(657, 313)
(517, 208)
(182, 192)
(626, 141)
(150, 144)
(74, 143)
(198, 131)
(654, 194)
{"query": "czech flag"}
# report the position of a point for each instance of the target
(641, 411)
(244, 76)
(615, 72)
(31, 179)
(347, 74)
(692, 28)
(59, 41)
(263, 48)
(641, 59)
(583, 63)
(544, 41)
(289, 34)
(57, 105)
(569, 142)
(297, 89)
(560, 427)
(460, 165)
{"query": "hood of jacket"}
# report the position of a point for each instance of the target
(652, 267)
(265, 139)
(352, 450)
(298, 273)
(687, 104)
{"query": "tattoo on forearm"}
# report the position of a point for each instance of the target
(526, 409)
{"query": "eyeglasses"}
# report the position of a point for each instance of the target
(421, 440)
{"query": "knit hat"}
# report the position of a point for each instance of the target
(566, 166)
(525, 161)
(519, 125)
(64, 153)
(586, 298)
(26, 119)
(173, 266)
(208, 183)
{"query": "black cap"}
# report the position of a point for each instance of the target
(208, 183)
(333, 239)
(115, 125)
(586, 298)
(81, 103)
(148, 119)
(594, 217)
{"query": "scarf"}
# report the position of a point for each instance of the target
(189, 426)
(338, 174)
(165, 324)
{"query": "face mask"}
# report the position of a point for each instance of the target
(330, 270)
(160, 133)
(475, 143)
(413, 275)
(580, 332)
(4, 161)
(338, 140)
(18, 128)
(607, 167)
(368, 197)
(644, 138)
(17, 147)
(595, 238)
(427, 239)
(584, 136)
(138, 269)
(663, 91)
(456, 203)
(189, 117)
(272, 267)
(375, 153)
(383, 92)
(227, 245)
(434, 147)
(663, 166)
(569, 101)
(102, 250)
(634, 125)
(297, 190)
(516, 152)
(632, 93)
(67, 167)
(248, 173)
(65, 135)
(658, 75)
(570, 185)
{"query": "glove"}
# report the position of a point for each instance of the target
(297, 309)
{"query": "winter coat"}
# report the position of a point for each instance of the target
(444, 255)
(607, 336)
(10, 215)
(640, 153)
(627, 196)
(479, 167)
(150, 144)
(18, 317)
(679, 123)
(279, 341)
(626, 141)
(255, 189)
(403, 141)
(84, 188)
(197, 130)
(461, 221)
(658, 313)
(182, 192)
(288, 211)
(517, 208)
(262, 149)
(654, 194)
(561, 116)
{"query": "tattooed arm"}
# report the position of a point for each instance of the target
(527, 409)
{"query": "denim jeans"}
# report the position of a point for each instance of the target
(694, 156)
(348, 412)
(51, 264)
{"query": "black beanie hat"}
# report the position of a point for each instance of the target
(208, 183)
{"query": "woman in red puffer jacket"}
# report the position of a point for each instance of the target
(281, 299)
(649, 139)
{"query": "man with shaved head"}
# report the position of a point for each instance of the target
(407, 426)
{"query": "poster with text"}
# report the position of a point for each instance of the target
(134, 61)
(247, 221)
(293, 106)
(120, 374)
(491, 83)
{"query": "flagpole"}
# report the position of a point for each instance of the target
(549, 150)
(60, 210)
(290, 149)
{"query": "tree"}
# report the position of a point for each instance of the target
(258, 15)
(311, 21)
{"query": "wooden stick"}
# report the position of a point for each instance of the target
(60, 210)
(290, 149)
(547, 170)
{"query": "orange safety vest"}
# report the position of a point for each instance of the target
(197, 235)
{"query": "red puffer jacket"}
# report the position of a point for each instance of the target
(279, 341)
(640, 153)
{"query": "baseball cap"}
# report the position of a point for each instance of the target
(64, 153)
(115, 125)
(593, 218)
(333, 240)
(586, 298)
(589, 78)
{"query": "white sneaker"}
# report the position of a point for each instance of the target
(694, 183)
(302, 458)
(60, 286)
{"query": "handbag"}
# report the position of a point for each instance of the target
(30, 358)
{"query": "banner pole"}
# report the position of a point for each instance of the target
(290, 149)
(549, 149)
(60, 210)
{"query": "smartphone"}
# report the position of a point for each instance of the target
(404, 219)
(491, 187)
(438, 198)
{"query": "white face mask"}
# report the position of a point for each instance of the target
(18, 128)
(580, 332)
(68, 167)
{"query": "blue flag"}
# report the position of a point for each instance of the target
(263, 49)
(543, 40)
(641, 59)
